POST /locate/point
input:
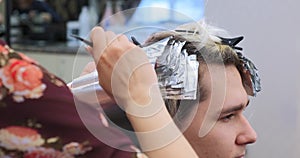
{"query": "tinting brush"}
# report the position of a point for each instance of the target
(83, 40)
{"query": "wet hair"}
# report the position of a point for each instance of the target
(202, 40)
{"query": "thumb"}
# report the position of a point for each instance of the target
(99, 42)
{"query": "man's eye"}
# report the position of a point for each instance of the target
(228, 117)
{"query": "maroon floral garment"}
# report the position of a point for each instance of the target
(38, 117)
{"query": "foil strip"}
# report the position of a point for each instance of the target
(252, 80)
(177, 71)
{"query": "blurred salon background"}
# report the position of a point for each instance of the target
(42, 29)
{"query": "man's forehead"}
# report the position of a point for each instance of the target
(228, 89)
(219, 76)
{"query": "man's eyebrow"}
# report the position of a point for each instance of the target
(235, 108)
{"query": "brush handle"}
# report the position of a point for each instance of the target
(84, 80)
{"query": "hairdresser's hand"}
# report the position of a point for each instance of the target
(126, 74)
(123, 68)
(89, 68)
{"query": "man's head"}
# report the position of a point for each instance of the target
(231, 131)
(219, 127)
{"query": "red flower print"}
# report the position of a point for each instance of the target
(23, 79)
(46, 153)
(20, 138)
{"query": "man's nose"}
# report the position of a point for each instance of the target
(247, 134)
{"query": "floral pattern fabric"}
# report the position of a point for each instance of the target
(20, 76)
(18, 141)
(29, 98)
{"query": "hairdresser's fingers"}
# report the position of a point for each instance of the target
(99, 42)
(122, 38)
(110, 58)
(124, 43)
(110, 36)
(118, 46)
(89, 49)
(90, 67)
